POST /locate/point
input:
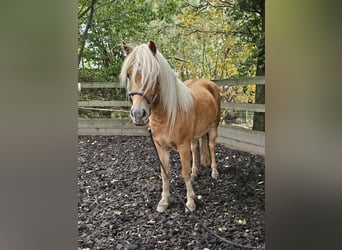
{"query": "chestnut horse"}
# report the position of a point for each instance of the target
(179, 114)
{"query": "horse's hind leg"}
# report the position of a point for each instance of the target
(184, 153)
(204, 150)
(212, 139)
(164, 158)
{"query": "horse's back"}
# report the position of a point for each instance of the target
(197, 85)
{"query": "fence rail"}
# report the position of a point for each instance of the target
(225, 105)
(241, 81)
(233, 137)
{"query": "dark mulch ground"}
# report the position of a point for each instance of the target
(120, 186)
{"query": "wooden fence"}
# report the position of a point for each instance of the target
(233, 137)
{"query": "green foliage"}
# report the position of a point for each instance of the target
(200, 38)
(239, 94)
(211, 39)
(113, 22)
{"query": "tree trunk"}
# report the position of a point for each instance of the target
(85, 33)
(259, 117)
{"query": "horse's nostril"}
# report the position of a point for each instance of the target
(138, 113)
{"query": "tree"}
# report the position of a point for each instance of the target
(104, 24)
(215, 39)
(244, 26)
(259, 118)
(252, 12)
(206, 44)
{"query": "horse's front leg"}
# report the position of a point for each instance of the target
(194, 163)
(164, 156)
(184, 153)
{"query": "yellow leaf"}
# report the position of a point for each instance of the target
(241, 222)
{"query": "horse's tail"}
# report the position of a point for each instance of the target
(204, 150)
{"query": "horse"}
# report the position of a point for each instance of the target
(179, 113)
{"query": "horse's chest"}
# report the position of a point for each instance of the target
(164, 142)
(162, 135)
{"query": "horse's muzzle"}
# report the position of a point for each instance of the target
(139, 116)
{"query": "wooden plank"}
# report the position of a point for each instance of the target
(241, 146)
(108, 123)
(224, 105)
(241, 134)
(96, 103)
(95, 85)
(231, 82)
(110, 127)
(235, 138)
(242, 139)
(243, 106)
(241, 81)
(112, 131)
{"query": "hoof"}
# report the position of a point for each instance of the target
(215, 175)
(162, 207)
(191, 206)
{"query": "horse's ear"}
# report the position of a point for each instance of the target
(126, 48)
(152, 47)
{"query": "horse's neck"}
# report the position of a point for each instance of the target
(158, 114)
(159, 125)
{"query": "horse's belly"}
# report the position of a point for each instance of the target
(203, 124)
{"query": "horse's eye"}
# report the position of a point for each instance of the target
(128, 76)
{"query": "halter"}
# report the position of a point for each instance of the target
(149, 100)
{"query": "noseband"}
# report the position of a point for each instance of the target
(143, 94)
(149, 100)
